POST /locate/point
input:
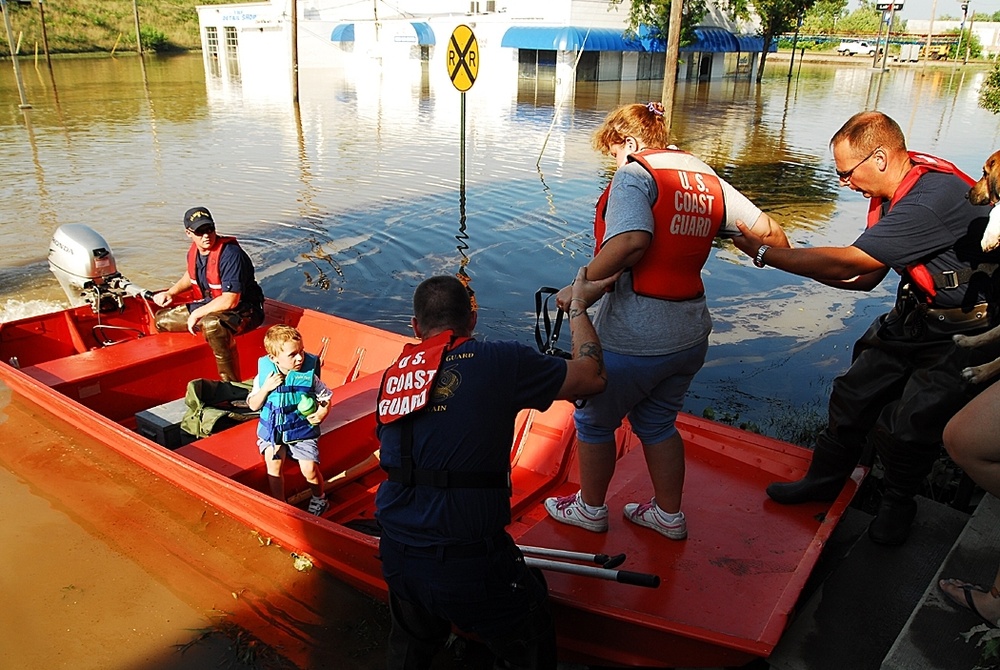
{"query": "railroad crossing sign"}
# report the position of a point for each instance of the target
(463, 58)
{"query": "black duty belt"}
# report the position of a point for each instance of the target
(957, 316)
(472, 550)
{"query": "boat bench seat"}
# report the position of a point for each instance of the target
(85, 366)
(347, 437)
(120, 380)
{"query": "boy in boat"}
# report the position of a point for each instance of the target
(229, 300)
(446, 424)
(293, 401)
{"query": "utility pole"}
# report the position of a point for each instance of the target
(930, 31)
(795, 41)
(138, 38)
(968, 42)
(888, 36)
(961, 29)
(295, 52)
(670, 67)
(45, 35)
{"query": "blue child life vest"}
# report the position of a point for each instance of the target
(280, 420)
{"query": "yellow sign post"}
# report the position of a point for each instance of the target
(463, 58)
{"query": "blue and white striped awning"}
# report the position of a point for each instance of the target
(568, 38)
(709, 39)
(713, 40)
(425, 35)
(343, 33)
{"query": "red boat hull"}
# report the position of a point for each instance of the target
(726, 593)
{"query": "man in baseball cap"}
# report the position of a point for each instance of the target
(196, 217)
(227, 300)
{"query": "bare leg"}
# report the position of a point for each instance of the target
(665, 461)
(597, 466)
(311, 471)
(971, 439)
(275, 482)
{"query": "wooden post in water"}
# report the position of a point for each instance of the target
(295, 52)
(138, 37)
(45, 35)
(930, 32)
(13, 55)
(670, 67)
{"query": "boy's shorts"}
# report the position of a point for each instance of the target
(300, 450)
(650, 390)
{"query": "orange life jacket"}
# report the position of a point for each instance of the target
(211, 268)
(406, 389)
(922, 164)
(407, 383)
(689, 209)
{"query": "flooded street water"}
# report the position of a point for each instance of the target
(345, 203)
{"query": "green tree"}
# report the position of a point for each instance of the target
(864, 20)
(989, 94)
(655, 16)
(776, 17)
(968, 39)
(823, 18)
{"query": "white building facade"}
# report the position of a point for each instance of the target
(988, 32)
(566, 40)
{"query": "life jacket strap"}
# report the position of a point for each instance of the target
(407, 475)
(952, 279)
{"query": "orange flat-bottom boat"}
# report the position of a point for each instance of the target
(725, 594)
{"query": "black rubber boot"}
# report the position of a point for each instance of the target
(219, 335)
(172, 319)
(808, 489)
(828, 470)
(891, 525)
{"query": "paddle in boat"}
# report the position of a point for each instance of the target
(722, 597)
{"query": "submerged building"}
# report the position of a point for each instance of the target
(566, 40)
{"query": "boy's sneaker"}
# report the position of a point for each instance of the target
(570, 509)
(649, 515)
(318, 505)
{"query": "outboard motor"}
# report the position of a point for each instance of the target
(83, 263)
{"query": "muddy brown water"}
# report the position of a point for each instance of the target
(344, 204)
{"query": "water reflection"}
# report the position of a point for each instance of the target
(348, 199)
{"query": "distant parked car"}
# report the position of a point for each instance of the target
(854, 47)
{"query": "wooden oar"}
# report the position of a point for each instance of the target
(622, 576)
(350, 474)
(603, 560)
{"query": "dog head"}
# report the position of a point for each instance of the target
(986, 191)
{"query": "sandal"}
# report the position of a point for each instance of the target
(969, 603)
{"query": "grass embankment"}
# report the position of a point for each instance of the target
(82, 26)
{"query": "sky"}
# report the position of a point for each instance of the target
(921, 9)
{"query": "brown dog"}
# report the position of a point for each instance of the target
(986, 191)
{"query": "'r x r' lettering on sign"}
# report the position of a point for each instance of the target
(463, 58)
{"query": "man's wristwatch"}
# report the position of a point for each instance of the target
(759, 258)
